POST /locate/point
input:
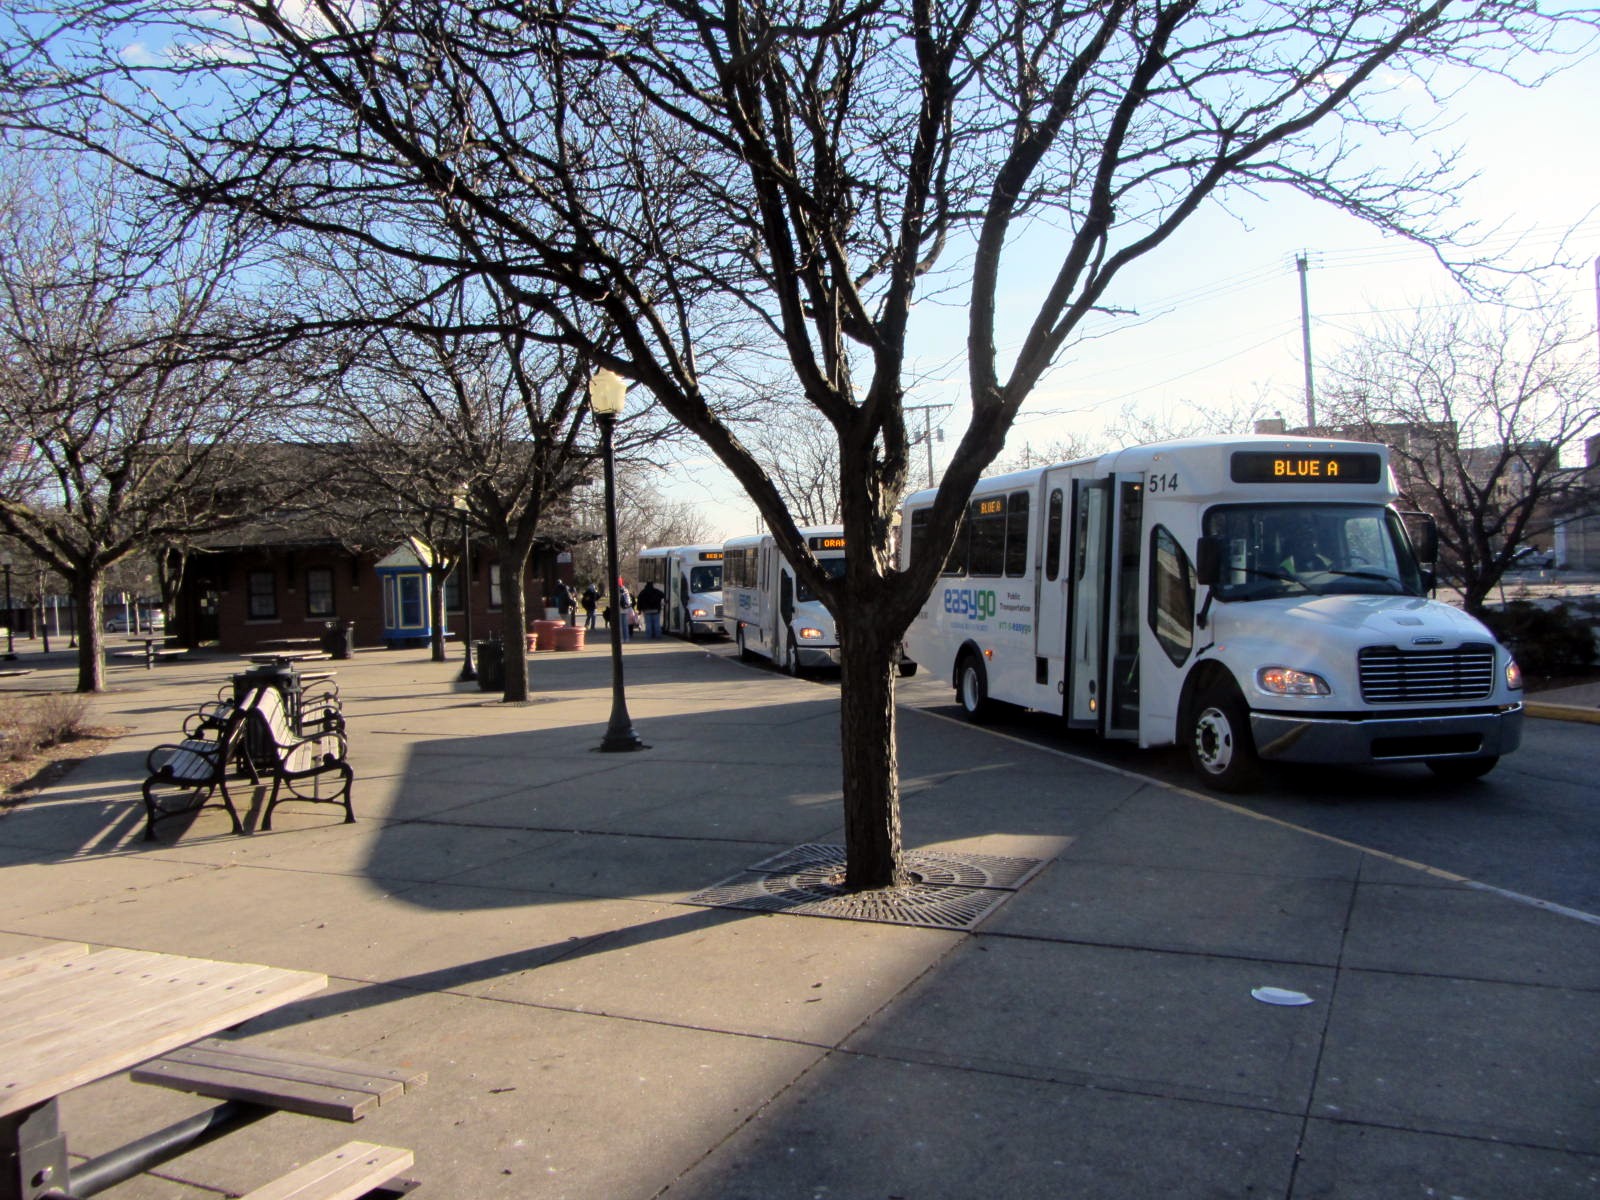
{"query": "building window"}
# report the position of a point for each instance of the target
(494, 585)
(319, 591)
(263, 592)
(452, 591)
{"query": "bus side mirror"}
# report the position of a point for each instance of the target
(1429, 550)
(1208, 560)
(1430, 578)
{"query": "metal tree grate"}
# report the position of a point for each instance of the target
(949, 890)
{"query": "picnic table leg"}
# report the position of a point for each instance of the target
(33, 1153)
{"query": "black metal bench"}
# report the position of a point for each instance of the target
(196, 766)
(299, 759)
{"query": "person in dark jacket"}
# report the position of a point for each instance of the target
(651, 598)
(591, 601)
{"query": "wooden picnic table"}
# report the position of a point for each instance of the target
(69, 1017)
(154, 643)
(288, 657)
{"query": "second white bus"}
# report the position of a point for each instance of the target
(1247, 598)
(691, 577)
(769, 612)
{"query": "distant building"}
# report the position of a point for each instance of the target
(262, 585)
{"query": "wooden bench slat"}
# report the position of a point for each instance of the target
(351, 1171)
(409, 1078)
(312, 1084)
(327, 1072)
(222, 1083)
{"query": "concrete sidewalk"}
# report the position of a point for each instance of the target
(509, 914)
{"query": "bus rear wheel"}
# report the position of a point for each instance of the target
(1220, 748)
(744, 651)
(972, 689)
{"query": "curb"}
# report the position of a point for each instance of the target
(1562, 712)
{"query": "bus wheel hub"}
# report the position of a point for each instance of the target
(1214, 740)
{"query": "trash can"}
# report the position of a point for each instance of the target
(339, 638)
(491, 666)
(286, 680)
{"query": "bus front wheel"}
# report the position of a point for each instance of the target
(744, 651)
(972, 688)
(1219, 741)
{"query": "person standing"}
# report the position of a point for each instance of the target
(625, 602)
(591, 601)
(651, 598)
(563, 598)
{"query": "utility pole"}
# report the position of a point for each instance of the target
(1305, 341)
(927, 430)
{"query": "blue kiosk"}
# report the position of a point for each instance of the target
(403, 578)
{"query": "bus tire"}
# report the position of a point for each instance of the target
(744, 651)
(1463, 770)
(791, 658)
(1220, 748)
(907, 669)
(972, 689)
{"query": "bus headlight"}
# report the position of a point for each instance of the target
(1513, 675)
(809, 634)
(1286, 681)
(698, 613)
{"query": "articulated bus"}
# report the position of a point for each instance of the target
(770, 613)
(1248, 598)
(691, 577)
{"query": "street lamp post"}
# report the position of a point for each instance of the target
(467, 673)
(607, 392)
(11, 639)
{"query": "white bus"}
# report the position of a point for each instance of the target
(770, 613)
(1162, 594)
(691, 577)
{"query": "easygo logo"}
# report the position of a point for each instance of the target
(976, 603)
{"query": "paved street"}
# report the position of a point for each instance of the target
(510, 914)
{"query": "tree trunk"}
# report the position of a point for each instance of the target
(436, 598)
(514, 620)
(88, 595)
(867, 748)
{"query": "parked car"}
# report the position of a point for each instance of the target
(1531, 558)
(148, 622)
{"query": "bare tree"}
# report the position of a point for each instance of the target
(1478, 416)
(699, 174)
(122, 439)
(646, 516)
(800, 454)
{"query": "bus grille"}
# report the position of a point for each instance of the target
(1390, 675)
(719, 611)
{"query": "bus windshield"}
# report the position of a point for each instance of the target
(705, 579)
(832, 567)
(1273, 550)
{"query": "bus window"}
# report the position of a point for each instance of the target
(1171, 613)
(986, 546)
(919, 535)
(956, 562)
(1052, 549)
(1016, 535)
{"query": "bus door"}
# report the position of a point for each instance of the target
(1123, 614)
(677, 618)
(1052, 576)
(1090, 534)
